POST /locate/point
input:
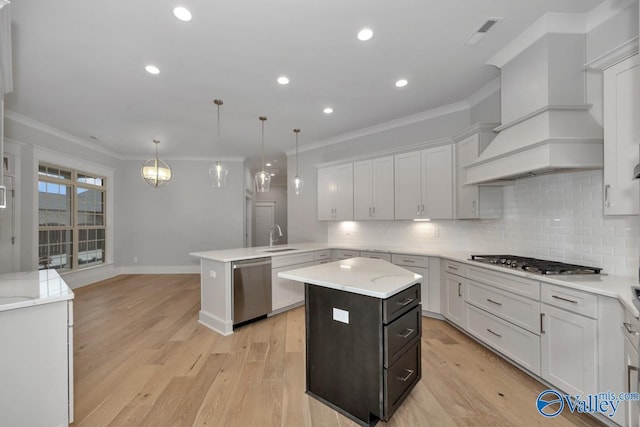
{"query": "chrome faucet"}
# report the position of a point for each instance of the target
(271, 231)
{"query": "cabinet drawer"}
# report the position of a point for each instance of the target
(400, 378)
(322, 255)
(398, 304)
(339, 254)
(399, 334)
(410, 260)
(519, 345)
(513, 308)
(454, 267)
(376, 255)
(283, 261)
(570, 299)
(509, 282)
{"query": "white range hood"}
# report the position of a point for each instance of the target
(548, 125)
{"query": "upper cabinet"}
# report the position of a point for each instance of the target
(621, 136)
(335, 192)
(473, 201)
(424, 184)
(373, 191)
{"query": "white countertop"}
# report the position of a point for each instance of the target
(602, 284)
(364, 276)
(18, 290)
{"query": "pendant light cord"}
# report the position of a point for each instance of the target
(297, 131)
(218, 102)
(262, 118)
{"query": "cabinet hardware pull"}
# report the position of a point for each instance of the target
(564, 299)
(541, 326)
(451, 267)
(459, 289)
(406, 301)
(475, 207)
(630, 368)
(607, 203)
(374, 211)
(494, 333)
(418, 211)
(494, 302)
(423, 210)
(406, 377)
(406, 333)
(629, 329)
(409, 261)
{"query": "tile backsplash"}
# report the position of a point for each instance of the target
(557, 216)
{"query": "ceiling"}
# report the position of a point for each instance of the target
(80, 66)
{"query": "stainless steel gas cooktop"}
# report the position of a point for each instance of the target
(534, 265)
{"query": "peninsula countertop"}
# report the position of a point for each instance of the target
(25, 289)
(364, 276)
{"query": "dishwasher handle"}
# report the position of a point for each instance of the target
(252, 263)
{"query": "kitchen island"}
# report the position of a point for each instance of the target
(363, 329)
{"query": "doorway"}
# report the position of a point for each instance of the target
(265, 221)
(7, 231)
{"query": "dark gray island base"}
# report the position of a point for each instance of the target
(363, 352)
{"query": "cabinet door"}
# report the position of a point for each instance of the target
(632, 407)
(344, 192)
(467, 196)
(455, 311)
(621, 136)
(285, 292)
(326, 193)
(437, 182)
(426, 297)
(569, 352)
(408, 185)
(362, 190)
(383, 188)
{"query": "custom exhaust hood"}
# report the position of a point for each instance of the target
(546, 123)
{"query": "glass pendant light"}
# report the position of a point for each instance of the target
(263, 178)
(297, 182)
(154, 171)
(217, 171)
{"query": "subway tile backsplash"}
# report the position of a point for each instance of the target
(557, 216)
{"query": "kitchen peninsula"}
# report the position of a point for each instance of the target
(363, 329)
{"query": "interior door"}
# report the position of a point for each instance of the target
(265, 221)
(7, 230)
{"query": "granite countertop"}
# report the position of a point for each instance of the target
(19, 290)
(602, 284)
(364, 276)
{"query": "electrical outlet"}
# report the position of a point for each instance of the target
(212, 274)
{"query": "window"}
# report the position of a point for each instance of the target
(71, 218)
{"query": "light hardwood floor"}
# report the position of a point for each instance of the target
(141, 358)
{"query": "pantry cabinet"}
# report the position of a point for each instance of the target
(373, 190)
(621, 136)
(335, 192)
(424, 184)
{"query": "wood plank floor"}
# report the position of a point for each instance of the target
(142, 359)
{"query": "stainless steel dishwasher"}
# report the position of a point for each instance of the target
(251, 290)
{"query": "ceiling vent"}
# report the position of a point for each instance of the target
(483, 29)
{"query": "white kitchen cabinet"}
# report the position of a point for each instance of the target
(335, 192)
(430, 298)
(376, 255)
(373, 189)
(630, 330)
(455, 309)
(474, 201)
(621, 136)
(338, 254)
(569, 351)
(287, 293)
(424, 184)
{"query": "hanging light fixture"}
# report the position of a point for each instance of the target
(297, 182)
(154, 171)
(217, 171)
(263, 178)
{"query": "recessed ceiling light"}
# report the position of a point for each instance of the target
(283, 80)
(328, 110)
(273, 174)
(152, 69)
(268, 165)
(401, 83)
(365, 34)
(182, 13)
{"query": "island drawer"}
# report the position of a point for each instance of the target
(400, 303)
(284, 261)
(400, 378)
(410, 260)
(376, 255)
(401, 333)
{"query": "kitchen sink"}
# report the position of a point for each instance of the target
(280, 250)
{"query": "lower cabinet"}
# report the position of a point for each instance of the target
(569, 350)
(286, 293)
(631, 357)
(363, 353)
(455, 309)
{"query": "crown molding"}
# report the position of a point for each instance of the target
(614, 56)
(475, 129)
(186, 158)
(486, 91)
(35, 124)
(606, 11)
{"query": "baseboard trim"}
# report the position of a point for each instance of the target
(215, 323)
